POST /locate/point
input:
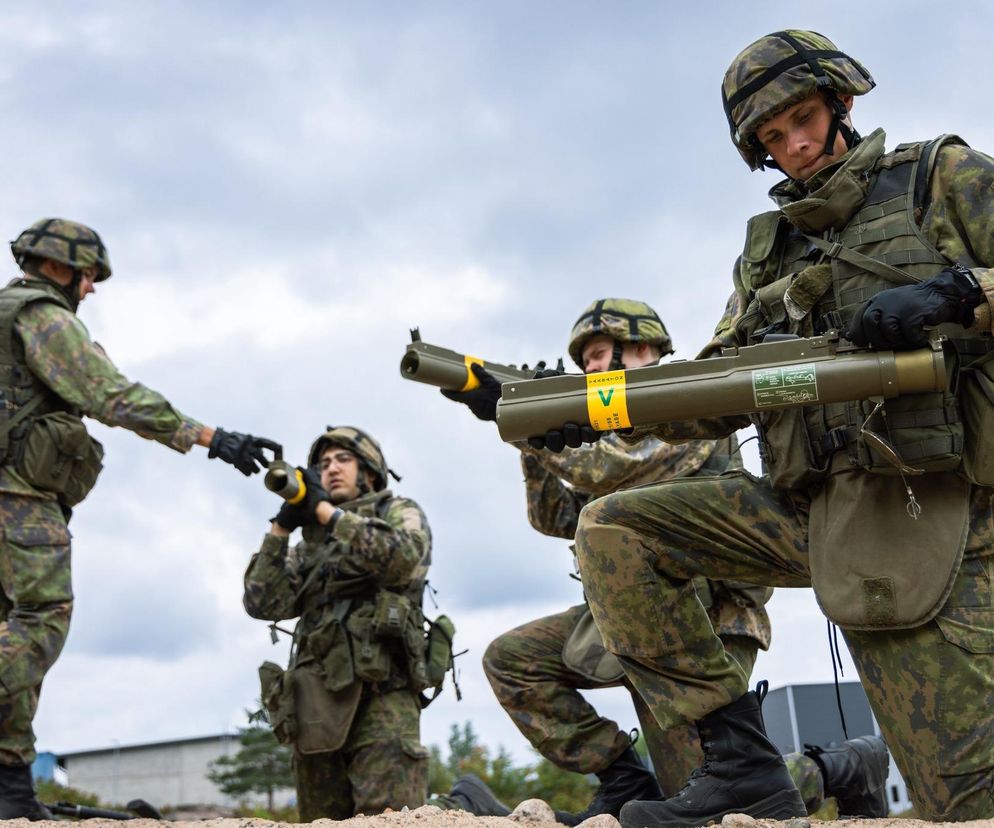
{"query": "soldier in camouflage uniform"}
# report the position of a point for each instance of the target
(51, 374)
(349, 701)
(537, 669)
(862, 500)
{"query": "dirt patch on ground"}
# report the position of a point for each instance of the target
(529, 814)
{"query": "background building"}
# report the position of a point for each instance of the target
(167, 774)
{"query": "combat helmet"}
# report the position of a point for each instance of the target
(361, 445)
(779, 70)
(68, 242)
(624, 320)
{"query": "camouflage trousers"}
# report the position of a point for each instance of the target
(931, 688)
(540, 692)
(35, 606)
(382, 764)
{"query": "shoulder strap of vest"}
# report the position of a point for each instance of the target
(13, 299)
(926, 164)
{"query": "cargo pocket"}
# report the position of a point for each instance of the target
(965, 690)
(37, 566)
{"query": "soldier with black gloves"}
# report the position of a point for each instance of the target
(51, 375)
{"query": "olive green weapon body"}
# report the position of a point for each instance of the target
(288, 482)
(434, 365)
(772, 375)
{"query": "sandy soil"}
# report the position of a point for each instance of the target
(530, 814)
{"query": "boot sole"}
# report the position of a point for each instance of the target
(782, 805)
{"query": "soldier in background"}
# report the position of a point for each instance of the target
(349, 701)
(52, 374)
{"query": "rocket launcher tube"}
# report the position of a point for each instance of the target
(447, 369)
(748, 380)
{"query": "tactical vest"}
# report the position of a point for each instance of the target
(357, 628)
(24, 396)
(880, 247)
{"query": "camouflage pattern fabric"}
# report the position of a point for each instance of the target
(35, 572)
(541, 695)
(382, 765)
(526, 667)
(931, 688)
(58, 350)
(35, 606)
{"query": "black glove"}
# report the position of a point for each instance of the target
(243, 451)
(896, 318)
(293, 516)
(482, 401)
(570, 434)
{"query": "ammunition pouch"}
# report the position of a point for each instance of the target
(371, 654)
(59, 456)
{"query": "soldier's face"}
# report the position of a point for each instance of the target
(597, 353)
(796, 137)
(340, 474)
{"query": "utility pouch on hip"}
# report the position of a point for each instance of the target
(277, 698)
(439, 658)
(584, 653)
(323, 717)
(370, 654)
(977, 408)
(390, 614)
(415, 650)
(59, 456)
(873, 567)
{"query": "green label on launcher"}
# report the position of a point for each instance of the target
(783, 386)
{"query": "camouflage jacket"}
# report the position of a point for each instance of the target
(58, 351)
(959, 221)
(381, 543)
(559, 485)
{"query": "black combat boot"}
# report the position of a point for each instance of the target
(625, 779)
(855, 773)
(470, 793)
(742, 773)
(17, 794)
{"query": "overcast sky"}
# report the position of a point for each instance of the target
(286, 188)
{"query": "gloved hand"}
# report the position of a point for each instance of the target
(570, 434)
(293, 516)
(896, 318)
(243, 451)
(482, 401)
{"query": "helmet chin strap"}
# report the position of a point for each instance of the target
(616, 363)
(838, 125)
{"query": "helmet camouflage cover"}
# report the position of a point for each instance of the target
(68, 242)
(777, 71)
(624, 320)
(360, 444)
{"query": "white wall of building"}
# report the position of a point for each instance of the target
(166, 774)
